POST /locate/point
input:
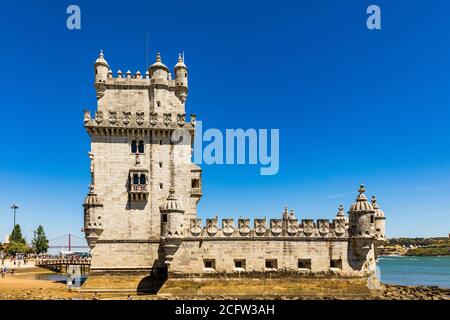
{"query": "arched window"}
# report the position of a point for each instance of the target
(141, 146)
(133, 146)
(136, 179)
(143, 179)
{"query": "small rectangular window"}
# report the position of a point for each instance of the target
(164, 218)
(239, 264)
(336, 263)
(141, 146)
(271, 264)
(160, 164)
(161, 186)
(195, 183)
(304, 264)
(209, 263)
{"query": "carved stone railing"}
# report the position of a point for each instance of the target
(196, 192)
(139, 188)
(307, 228)
(137, 120)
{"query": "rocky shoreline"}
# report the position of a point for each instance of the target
(388, 292)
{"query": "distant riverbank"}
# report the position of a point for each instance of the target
(420, 247)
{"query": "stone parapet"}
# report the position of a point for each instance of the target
(274, 228)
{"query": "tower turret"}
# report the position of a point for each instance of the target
(174, 215)
(181, 79)
(361, 216)
(158, 71)
(380, 220)
(93, 211)
(101, 68)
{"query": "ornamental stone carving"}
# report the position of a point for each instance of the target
(87, 116)
(276, 226)
(140, 118)
(292, 227)
(324, 227)
(244, 226)
(260, 227)
(153, 118)
(308, 227)
(193, 119)
(99, 117)
(167, 118)
(181, 119)
(196, 227)
(112, 117)
(126, 118)
(339, 227)
(211, 226)
(228, 226)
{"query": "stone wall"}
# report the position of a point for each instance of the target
(316, 255)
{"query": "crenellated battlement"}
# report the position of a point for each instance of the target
(305, 228)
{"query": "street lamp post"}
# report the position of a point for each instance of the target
(14, 207)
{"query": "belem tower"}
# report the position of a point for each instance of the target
(140, 216)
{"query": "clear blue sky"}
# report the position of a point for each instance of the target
(352, 105)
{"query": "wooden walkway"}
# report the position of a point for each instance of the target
(58, 264)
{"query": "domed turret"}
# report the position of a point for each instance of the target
(361, 215)
(158, 71)
(101, 68)
(93, 210)
(174, 213)
(380, 220)
(181, 78)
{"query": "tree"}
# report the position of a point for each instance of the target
(16, 235)
(40, 242)
(16, 247)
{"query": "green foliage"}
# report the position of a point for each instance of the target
(425, 246)
(16, 235)
(17, 247)
(40, 241)
(429, 251)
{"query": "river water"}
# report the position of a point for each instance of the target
(414, 271)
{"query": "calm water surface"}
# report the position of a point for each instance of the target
(414, 271)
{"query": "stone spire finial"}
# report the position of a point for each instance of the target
(340, 211)
(101, 54)
(374, 202)
(361, 196)
(158, 57)
(361, 203)
(292, 214)
(286, 213)
(180, 57)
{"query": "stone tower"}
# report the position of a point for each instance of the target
(136, 166)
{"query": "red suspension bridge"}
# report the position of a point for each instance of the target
(68, 242)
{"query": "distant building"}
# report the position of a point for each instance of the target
(140, 216)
